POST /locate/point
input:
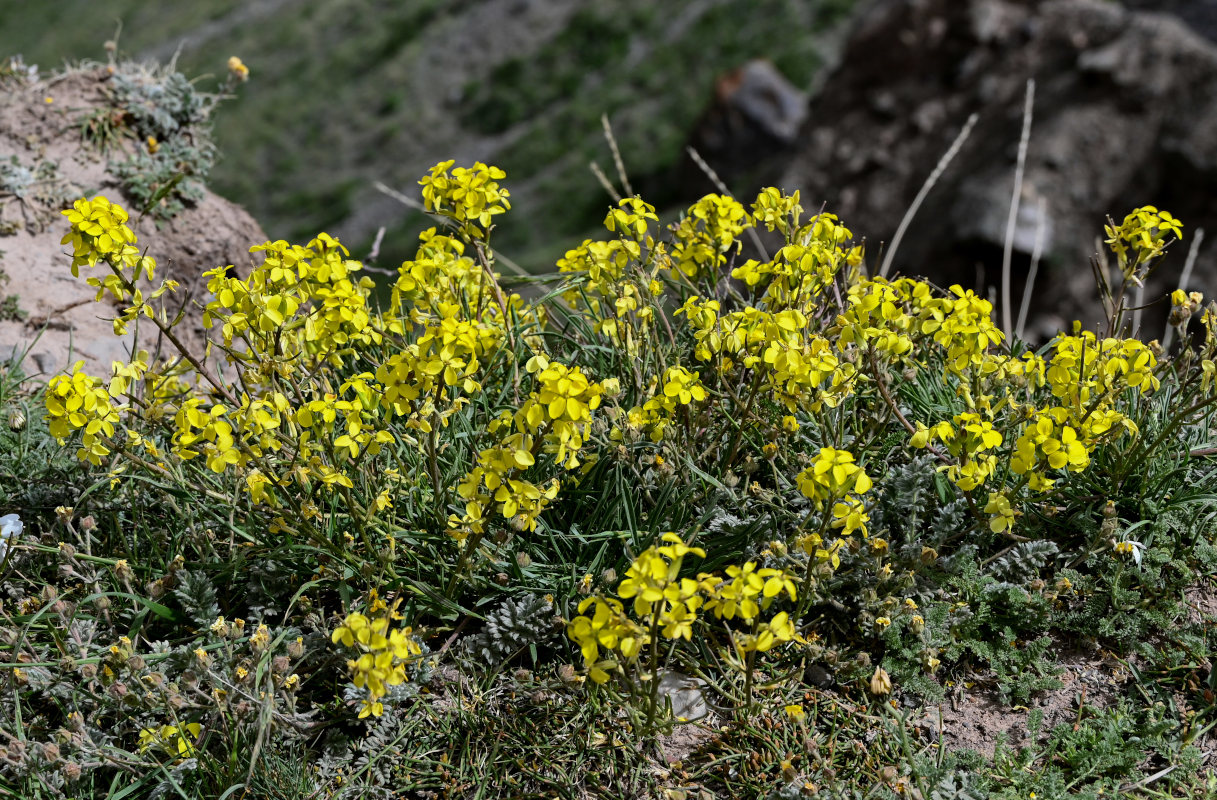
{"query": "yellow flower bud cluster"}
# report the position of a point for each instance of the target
(237, 69)
(383, 656)
(1184, 306)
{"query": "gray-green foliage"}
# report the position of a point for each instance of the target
(159, 104)
(513, 626)
(1023, 562)
(198, 597)
(364, 768)
(38, 181)
(175, 154)
(954, 786)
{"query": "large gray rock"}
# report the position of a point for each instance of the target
(1125, 115)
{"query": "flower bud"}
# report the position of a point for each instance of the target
(880, 682)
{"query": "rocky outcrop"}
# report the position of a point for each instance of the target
(51, 316)
(1125, 115)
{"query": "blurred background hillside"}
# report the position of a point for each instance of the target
(851, 102)
(348, 92)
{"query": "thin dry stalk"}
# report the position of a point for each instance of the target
(1007, 311)
(605, 182)
(1169, 335)
(1036, 253)
(617, 162)
(943, 163)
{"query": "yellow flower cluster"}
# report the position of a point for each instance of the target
(834, 481)
(884, 314)
(679, 387)
(441, 280)
(302, 301)
(667, 605)
(963, 325)
(621, 275)
(1048, 442)
(79, 403)
(383, 657)
(706, 234)
(1142, 237)
(99, 232)
(805, 266)
(554, 419)
(798, 369)
(972, 440)
(832, 477)
(1085, 369)
(470, 196)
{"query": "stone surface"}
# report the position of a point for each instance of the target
(755, 110)
(1125, 115)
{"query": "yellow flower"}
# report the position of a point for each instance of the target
(237, 69)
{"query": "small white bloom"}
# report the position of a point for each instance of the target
(10, 526)
(10, 529)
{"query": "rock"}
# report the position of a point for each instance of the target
(817, 675)
(755, 110)
(685, 694)
(62, 321)
(1124, 116)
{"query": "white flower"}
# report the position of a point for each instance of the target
(10, 529)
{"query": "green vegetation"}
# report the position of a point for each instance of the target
(662, 521)
(467, 540)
